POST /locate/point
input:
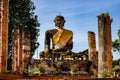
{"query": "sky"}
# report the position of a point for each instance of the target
(80, 16)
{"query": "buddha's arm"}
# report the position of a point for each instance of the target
(47, 41)
(70, 44)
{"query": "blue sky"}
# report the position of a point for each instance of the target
(80, 16)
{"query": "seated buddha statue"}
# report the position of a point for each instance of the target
(60, 37)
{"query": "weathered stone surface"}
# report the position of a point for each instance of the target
(92, 54)
(3, 35)
(17, 59)
(21, 51)
(1, 19)
(92, 47)
(26, 49)
(63, 67)
(105, 44)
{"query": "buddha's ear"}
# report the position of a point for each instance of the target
(54, 20)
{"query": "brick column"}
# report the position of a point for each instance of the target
(92, 47)
(105, 44)
(92, 54)
(17, 53)
(16, 50)
(1, 20)
(3, 35)
(21, 55)
(26, 48)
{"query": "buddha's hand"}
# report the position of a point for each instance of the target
(46, 51)
(58, 46)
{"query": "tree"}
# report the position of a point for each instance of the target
(116, 43)
(114, 63)
(21, 13)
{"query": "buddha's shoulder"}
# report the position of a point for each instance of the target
(68, 31)
(51, 30)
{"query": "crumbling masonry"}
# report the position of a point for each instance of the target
(3, 35)
(20, 51)
(105, 44)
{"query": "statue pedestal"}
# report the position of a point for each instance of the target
(63, 67)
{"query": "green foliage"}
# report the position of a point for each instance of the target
(54, 65)
(116, 43)
(114, 62)
(42, 70)
(115, 69)
(106, 73)
(21, 14)
(33, 71)
(106, 14)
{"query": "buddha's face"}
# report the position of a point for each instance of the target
(59, 21)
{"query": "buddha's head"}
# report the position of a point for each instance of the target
(59, 21)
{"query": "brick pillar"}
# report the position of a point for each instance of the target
(26, 48)
(14, 53)
(3, 35)
(21, 55)
(105, 44)
(1, 19)
(17, 53)
(92, 47)
(16, 47)
(92, 54)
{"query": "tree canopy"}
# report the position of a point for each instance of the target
(116, 43)
(21, 12)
